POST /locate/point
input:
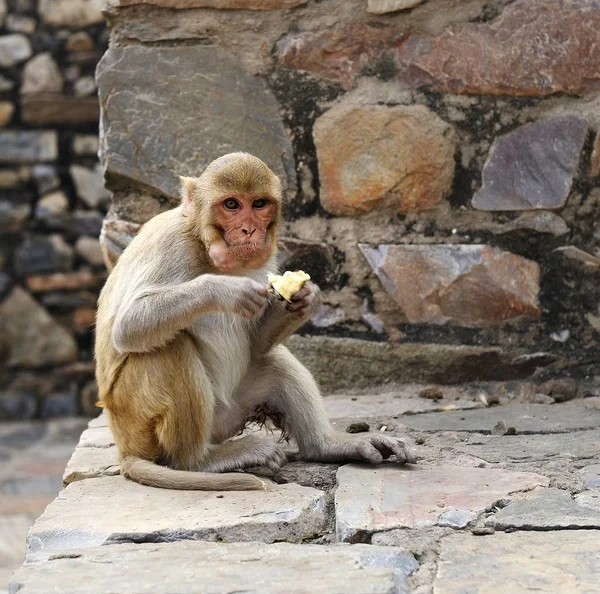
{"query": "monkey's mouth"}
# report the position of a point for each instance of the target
(246, 249)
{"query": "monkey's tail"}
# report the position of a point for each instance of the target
(151, 474)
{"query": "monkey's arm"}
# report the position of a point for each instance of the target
(281, 319)
(154, 315)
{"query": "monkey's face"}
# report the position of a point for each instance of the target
(245, 222)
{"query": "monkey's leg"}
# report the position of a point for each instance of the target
(289, 388)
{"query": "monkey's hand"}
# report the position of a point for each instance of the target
(241, 295)
(306, 301)
(371, 447)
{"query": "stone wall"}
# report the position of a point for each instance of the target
(440, 160)
(52, 202)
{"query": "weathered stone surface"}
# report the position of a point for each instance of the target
(341, 53)
(218, 4)
(532, 448)
(544, 221)
(559, 40)
(85, 145)
(532, 167)
(41, 75)
(289, 512)
(28, 146)
(82, 279)
(90, 250)
(84, 86)
(467, 285)
(46, 178)
(51, 205)
(59, 109)
(574, 253)
(370, 500)
(18, 23)
(399, 157)
(591, 475)
(89, 185)
(43, 254)
(96, 437)
(115, 236)
(13, 217)
(71, 13)
(208, 107)
(30, 337)
(220, 568)
(564, 561)
(14, 49)
(526, 418)
(550, 510)
(100, 421)
(91, 462)
(385, 6)
(7, 109)
(347, 363)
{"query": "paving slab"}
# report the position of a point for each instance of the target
(96, 437)
(369, 500)
(525, 418)
(529, 448)
(108, 510)
(100, 421)
(565, 561)
(591, 475)
(91, 462)
(553, 509)
(219, 568)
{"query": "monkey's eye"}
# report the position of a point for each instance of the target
(231, 204)
(260, 203)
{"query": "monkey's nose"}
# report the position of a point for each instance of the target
(248, 232)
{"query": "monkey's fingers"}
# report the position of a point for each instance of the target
(392, 445)
(367, 451)
(305, 291)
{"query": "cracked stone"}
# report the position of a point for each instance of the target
(591, 474)
(184, 107)
(96, 437)
(526, 418)
(532, 167)
(289, 512)
(370, 500)
(551, 562)
(375, 156)
(220, 568)
(91, 462)
(549, 510)
(466, 285)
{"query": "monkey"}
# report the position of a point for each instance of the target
(189, 343)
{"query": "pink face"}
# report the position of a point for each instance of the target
(244, 222)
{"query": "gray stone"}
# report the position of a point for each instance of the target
(28, 146)
(42, 255)
(549, 510)
(385, 6)
(346, 363)
(84, 86)
(3, 9)
(115, 236)
(96, 437)
(13, 217)
(288, 512)
(14, 48)
(215, 102)
(18, 23)
(6, 84)
(41, 75)
(545, 222)
(85, 145)
(219, 568)
(89, 185)
(71, 13)
(551, 562)
(574, 253)
(60, 404)
(100, 421)
(533, 448)
(17, 405)
(30, 335)
(532, 167)
(525, 418)
(370, 500)
(90, 250)
(466, 285)
(91, 462)
(46, 178)
(591, 475)
(52, 205)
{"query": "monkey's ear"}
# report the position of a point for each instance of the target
(188, 192)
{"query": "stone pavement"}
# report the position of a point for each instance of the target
(505, 499)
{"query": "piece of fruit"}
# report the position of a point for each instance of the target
(289, 283)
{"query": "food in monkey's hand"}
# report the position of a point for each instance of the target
(287, 284)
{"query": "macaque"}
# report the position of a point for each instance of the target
(189, 343)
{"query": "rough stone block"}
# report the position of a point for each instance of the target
(28, 146)
(49, 108)
(41, 75)
(565, 561)
(220, 568)
(97, 437)
(532, 167)
(124, 511)
(370, 500)
(372, 156)
(71, 13)
(14, 49)
(91, 462)
(466, 285)
(214, 102)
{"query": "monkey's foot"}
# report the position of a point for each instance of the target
(373, 448)
(246, 452)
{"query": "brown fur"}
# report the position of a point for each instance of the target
(186, 353)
